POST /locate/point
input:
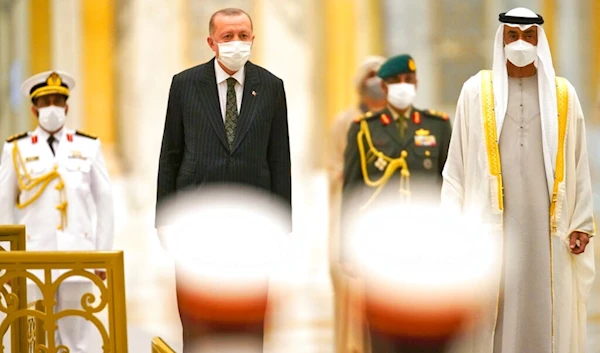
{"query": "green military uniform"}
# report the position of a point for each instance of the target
(421, 152)
(393, 155)
(405, 153)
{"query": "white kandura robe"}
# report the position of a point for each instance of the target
(525, 307)
(470, 189)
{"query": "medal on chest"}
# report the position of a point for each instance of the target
(424, 139)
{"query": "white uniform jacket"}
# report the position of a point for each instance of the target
(69, 193)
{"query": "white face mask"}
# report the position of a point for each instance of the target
(401, 95)
(52, 118)
(520, 53)
(372, 88)
(234, 55)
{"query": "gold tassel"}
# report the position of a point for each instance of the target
(27, 183)
(393, 165)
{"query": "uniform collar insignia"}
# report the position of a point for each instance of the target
(417, 117)
(385, 119)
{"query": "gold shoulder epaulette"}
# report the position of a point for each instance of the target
(17, 136)
(80, 133)
(437, 114)
(364, 116)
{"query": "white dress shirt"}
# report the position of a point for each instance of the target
(43, 135)
(222, 77)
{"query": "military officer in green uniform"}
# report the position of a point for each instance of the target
(397, 153)
(401, 146)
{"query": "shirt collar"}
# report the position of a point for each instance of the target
(395, 115)
(222, 76)
(44, 135)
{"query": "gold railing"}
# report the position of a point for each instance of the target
(56, 267)
(14, 235)
(35, 329)
(159, 346)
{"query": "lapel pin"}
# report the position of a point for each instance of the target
(254, 93)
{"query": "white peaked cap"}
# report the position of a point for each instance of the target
(42, 77)
(546, 85)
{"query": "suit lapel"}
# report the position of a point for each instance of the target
(209, 97)
(249, 103)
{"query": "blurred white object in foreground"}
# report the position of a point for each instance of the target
(224, 241)
(228, 234)
(426, 273)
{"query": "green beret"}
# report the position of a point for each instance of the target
(401, 64)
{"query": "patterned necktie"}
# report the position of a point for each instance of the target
(231, 112)
(51, 140)
(401, 123)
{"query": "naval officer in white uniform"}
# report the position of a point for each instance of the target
(55, 182)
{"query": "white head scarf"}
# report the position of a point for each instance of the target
(546, 87)
(370, 64)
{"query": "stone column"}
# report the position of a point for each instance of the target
(293, 48)
(5, 62)
(593, 7)
(39, 38)
(534, 5)
(573, 46)
(98, 68)
(446, 51)
(149, 51)
(19, 66)
(66, 30)
(407, 31)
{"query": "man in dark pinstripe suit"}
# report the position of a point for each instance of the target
(226, 123)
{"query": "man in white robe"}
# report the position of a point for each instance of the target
(518, 162)
(349, 336)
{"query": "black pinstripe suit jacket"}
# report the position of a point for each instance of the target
(194, 148)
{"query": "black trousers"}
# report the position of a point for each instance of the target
(195, 331)
(385, 343)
